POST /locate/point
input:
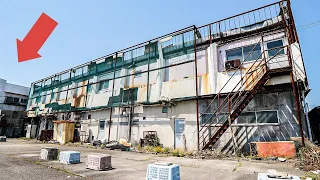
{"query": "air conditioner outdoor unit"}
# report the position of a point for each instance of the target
(232, 64)
(99, 162)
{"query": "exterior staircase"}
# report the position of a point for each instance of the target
(234, 102)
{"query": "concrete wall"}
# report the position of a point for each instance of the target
(288, 125)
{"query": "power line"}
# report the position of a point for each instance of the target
(307, 26)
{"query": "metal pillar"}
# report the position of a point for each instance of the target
(196, 81)
(113, 82)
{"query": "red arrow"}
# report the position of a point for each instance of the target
(37, 36)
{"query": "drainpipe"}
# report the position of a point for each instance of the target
(305, 109)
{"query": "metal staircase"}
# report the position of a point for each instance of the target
(234, 102)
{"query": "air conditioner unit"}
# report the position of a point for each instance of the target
(232, 64)
(99, 162)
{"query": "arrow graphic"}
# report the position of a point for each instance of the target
(36, 37)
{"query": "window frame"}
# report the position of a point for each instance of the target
(256, 118)
(100, 85)
(274, 40)
(104, 125)
(242, 53)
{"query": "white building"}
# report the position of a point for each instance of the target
(224, 84)
(13, 102)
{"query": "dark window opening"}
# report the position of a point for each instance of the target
(276, 48)
(102, 124)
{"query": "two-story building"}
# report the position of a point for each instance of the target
(221, 85)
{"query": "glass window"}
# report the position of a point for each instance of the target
(234, 54)
(206, 118)
(247, 118)
(247, 53)
(101, 124)
(251, 53)
(103, 85)
(89, 88)
(267, 117)
(275, 46)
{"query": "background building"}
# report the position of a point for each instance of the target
(13, 102)
(221, 85)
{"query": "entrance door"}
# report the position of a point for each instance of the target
(179, 125)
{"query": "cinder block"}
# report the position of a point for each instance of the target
(49, 153)
(99, 162)
(69, 157)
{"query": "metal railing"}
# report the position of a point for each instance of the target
(235, 97)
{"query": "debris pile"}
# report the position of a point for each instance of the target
(309, 157)
(208, 154)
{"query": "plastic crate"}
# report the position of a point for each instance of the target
(69, 157)
(163, 172)
(49, 153)
(99, 162)
(265, 176)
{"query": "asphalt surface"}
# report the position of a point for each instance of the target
(19, 159)
(17, 168)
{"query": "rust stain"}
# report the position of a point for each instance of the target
(252, 78)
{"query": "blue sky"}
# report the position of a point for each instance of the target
(90, 29)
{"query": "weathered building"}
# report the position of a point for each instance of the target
(222, 85)
(13, 103)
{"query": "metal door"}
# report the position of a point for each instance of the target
(179, 126)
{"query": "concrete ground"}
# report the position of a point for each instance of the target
(19, 159)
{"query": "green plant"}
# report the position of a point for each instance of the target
(149, 148)
(166, 150)
(158, 149)
(102, 146)
(311, 175)
(139, 148)
(175, 152)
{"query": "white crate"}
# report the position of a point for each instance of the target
(264, 176)
(163, 172)
(49, 153)
(3, 138)
(99, 162)
(69, 157)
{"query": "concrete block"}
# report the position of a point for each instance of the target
(69, 157)
(49, 153)
(99, 162)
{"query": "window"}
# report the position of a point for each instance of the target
(275, 46)
(103, 85)
(101, 124)
(267, 117)
(234, 54)
(258, 117)
(247, 118)
(24, 101)
(247, 53)
(164, 109)
(206, 118)
(89, 88)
